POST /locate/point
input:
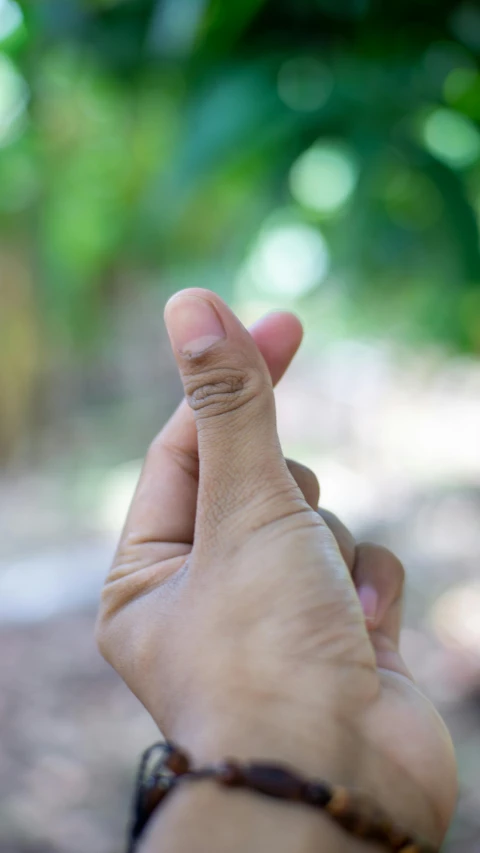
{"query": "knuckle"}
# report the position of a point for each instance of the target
(220, 390)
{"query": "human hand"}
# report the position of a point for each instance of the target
(231, 609)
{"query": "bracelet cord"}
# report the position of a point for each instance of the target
(164, 765)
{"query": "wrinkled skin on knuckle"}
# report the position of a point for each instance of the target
(136, 574)
(126, 581)
(117, 644)
(216, 391)
(112, 602)
(121, 637)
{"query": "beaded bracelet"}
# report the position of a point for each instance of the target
(164, 765)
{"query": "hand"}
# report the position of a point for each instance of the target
(234, 613)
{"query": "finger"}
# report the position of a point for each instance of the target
(379, 579)
(278, 336)
(306, 480)
(345, 541)
(163, 509)
(228, 387)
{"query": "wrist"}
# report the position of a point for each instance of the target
(333, 748)
(328, 747)
(201, 817)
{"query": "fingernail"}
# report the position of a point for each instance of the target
(369, 600)
(193, 324)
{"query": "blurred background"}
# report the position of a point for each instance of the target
(318, 155)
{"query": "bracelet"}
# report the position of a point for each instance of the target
(164, 765)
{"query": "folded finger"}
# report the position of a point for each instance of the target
(345, 541)
(379, 578)
(306, 480)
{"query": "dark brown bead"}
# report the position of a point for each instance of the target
(398, 839)
(354, 823)
(230, 773)
(358, 815)
(379, 830)
(316, 794)
(274, 781)
(177, 762)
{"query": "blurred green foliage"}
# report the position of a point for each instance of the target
(303, 150)
(161, 134)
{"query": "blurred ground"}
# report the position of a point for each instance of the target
(394, 441)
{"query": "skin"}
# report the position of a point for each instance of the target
(251, 624)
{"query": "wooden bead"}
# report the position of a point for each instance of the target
(177, 762)
(361, 817)
(274, 781)
(230, 773)
(398, 839)
(352, 812)
(316, 794)
(339, 802)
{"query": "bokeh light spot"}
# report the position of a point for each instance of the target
(458, 82)
(289, 259)
(13, 98)
(324, 177)
(452, 138)
(456, 616)
(304, 83)
(412, 200)
(11, 18)
(462, 91)
(174, 26)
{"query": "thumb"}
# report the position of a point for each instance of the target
(228, 387)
